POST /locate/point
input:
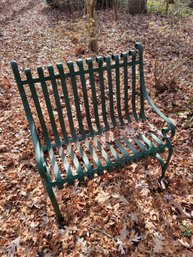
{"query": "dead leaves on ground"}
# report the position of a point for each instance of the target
(117, 215)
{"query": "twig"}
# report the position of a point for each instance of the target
(185, 244)
(101, 231)
(178, 206)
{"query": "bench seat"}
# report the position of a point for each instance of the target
(94, 155)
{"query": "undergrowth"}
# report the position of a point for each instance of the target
(176, 11)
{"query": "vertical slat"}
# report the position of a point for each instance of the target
(85, 95)
(115, 57)
(92, 84)
(44, 129)
(133, 54)
(67, 102)
(58, 105)
(142, 80)
(124, 56)
(101, 82)
(48, 104)
(109, 74)
(76, 98)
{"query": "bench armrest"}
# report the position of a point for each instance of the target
(165, 130)
(144, 95)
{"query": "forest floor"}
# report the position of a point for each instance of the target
(122, 214)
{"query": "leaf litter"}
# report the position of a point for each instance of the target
(120, 214)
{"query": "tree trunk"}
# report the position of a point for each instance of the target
(137, 6)
(102, 4)
(115, 7)
(91, 24)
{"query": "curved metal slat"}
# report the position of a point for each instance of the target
(133, 55)
(114, 153)
(94, 155)
(85, 95)
(148, 143)
(138, 46)
(141, 146)
(58, 104)
(80, 172)
(67, 102)
(123, 150)
(44, 129)
(102, 88)
(157, 139)
(84, 157)
(93, 89)
(69, 175)
(124, 56)
(109, 75)
(76, 98)
(135, 152)
(103, 152)
(115, 57)
(48, 105)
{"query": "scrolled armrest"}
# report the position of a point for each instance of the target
(171, 127)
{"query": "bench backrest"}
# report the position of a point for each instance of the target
(83, 98)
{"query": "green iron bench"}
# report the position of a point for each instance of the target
(76, 114)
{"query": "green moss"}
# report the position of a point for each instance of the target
(186, 230)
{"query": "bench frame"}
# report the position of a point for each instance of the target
(167, 132)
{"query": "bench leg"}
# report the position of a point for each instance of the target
(164, 164)
(54, 202)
